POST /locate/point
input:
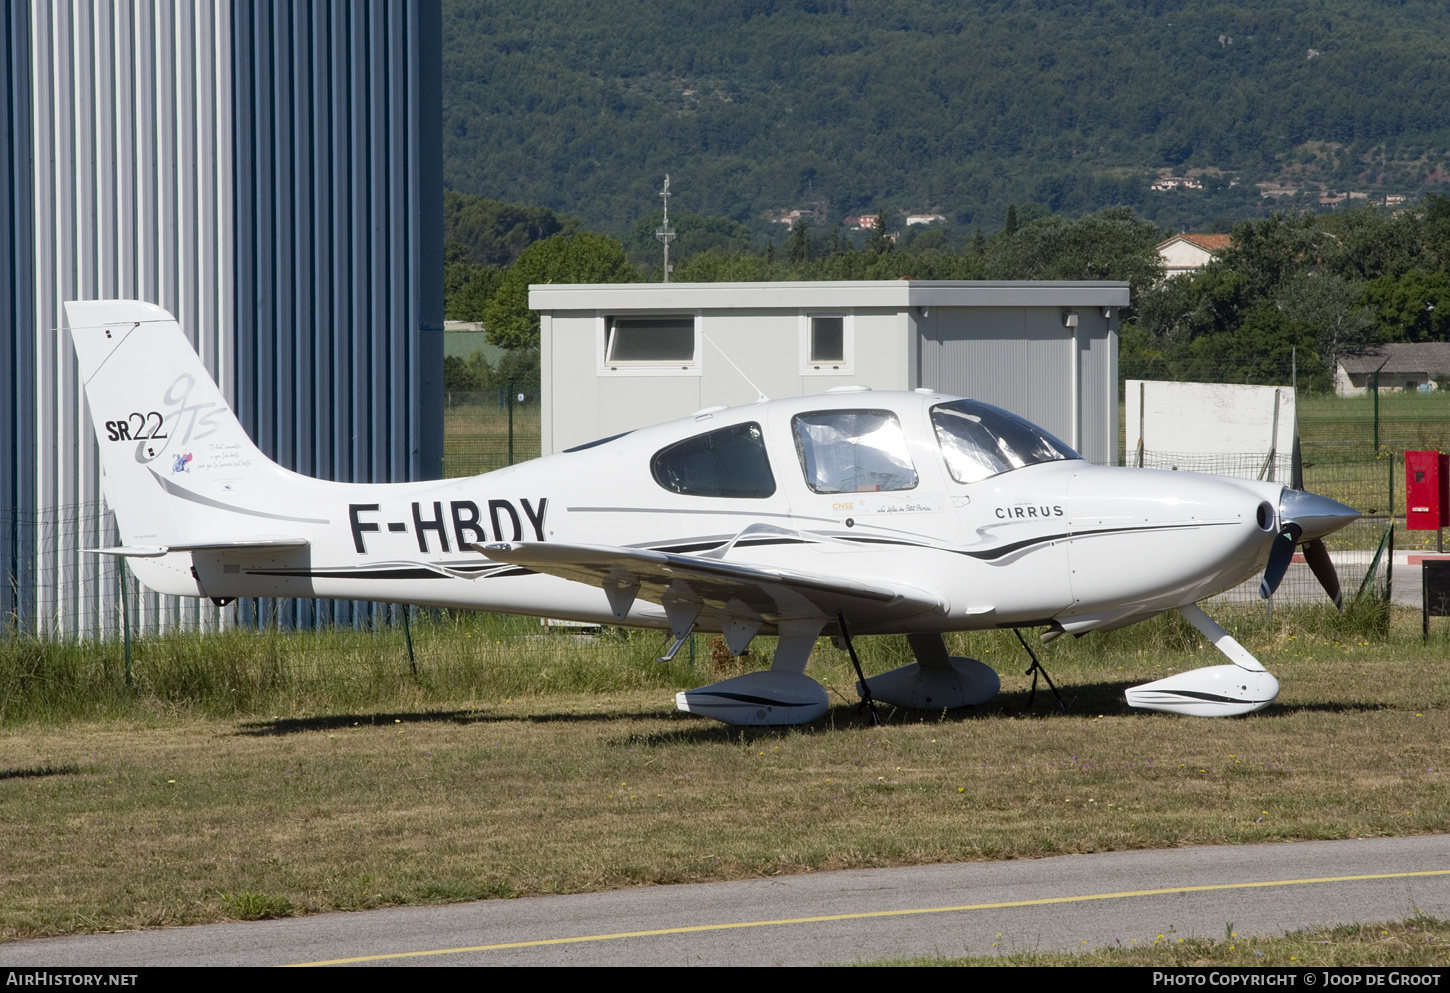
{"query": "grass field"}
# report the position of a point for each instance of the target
(1345, 425)
(476, 433)
(306, 777)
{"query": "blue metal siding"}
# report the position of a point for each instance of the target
(339, 235)
(339, 241)
(17, 311)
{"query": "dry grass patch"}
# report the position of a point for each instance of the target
(152, 820)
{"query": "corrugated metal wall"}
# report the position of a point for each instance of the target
(1021, 358)
(17, 311)
(131, 133)
(1014, 357)
(339, 240)
(339, 217)
(305, 260)
(1099, 339)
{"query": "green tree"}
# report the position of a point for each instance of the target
(582, 258)
(490, 232)
(1412, 307)
(694, 233)
(1111, 244)
(468, 375)
(1260, 350)
(881, 242)
(1009, 226)
(467, 288)
(798, 246)
(714, 267)
(1325, 308)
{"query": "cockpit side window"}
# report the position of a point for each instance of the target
(853, 451)
(728, 462)
(979, 440)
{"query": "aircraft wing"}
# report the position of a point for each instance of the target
(674, 580)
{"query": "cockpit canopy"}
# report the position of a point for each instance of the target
(853, 451)
(980, 440)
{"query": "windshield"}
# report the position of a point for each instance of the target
(979, 440)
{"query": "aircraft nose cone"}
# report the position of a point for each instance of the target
(1317, 515)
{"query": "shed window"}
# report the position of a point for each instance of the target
(853, 451)
(728, 462)
(828, 339)
(664, 338)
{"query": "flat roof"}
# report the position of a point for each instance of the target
(897, 294)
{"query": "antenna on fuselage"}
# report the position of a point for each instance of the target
(759, 393)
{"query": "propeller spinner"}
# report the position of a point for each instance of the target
(1304, 519)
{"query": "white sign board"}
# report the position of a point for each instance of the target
(1209, 419)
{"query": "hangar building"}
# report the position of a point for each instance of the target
(620, 356)
(270, 173)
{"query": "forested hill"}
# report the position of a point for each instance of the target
(757, 107)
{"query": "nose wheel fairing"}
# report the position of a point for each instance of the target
(1215, 691)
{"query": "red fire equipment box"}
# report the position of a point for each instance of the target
(1427, 476)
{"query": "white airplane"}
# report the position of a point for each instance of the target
(845, 514)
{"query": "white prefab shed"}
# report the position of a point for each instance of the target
(624, 355)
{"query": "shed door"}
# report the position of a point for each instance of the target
(1018, 358)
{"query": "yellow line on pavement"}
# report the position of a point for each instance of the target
(1046, 901)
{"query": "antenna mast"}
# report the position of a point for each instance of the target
(664, 233)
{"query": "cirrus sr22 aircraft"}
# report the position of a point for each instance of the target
(845, 514)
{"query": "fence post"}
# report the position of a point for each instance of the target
(511, 420)
(125, 616)
(408, 637)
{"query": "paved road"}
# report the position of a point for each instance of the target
(1299, 582)
(1069, 902)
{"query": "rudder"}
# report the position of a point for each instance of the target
(162, 425)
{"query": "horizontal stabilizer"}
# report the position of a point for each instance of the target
(268, 544)
(243, 545)
(770, 592)
(131, 551)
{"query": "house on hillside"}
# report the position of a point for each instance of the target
(1186, 252)
(1401, 367)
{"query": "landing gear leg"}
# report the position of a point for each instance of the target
(1033, 670)
(864, 688)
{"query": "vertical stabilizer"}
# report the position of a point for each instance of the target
(176, 460)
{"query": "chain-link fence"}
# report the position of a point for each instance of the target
(57, 586)
(1373, 486)
(485, 430)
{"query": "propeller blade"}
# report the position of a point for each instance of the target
(1322, 515)
(1316, 553)
(1280, 555)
